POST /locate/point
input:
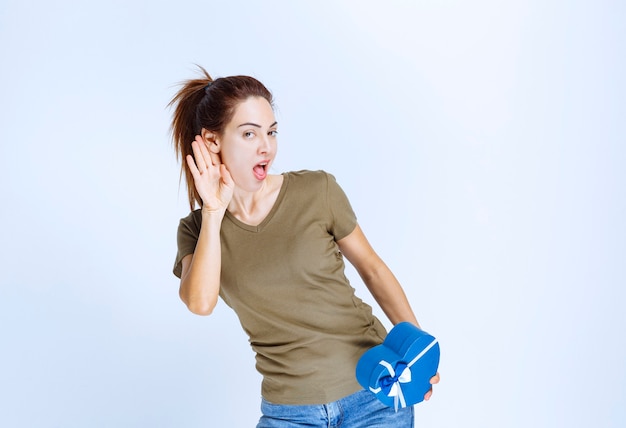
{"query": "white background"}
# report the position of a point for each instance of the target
(480, 142)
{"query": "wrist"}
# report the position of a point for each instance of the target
(208, 213)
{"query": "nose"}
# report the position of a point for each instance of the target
(265, 144)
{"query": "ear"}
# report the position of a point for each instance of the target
(211, 140)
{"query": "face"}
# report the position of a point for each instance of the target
(248, 143)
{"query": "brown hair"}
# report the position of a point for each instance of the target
(209, 104)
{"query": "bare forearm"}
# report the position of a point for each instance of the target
(377, 276)
(200, 282)
(389, 295)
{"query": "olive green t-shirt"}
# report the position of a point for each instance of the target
(285, 280)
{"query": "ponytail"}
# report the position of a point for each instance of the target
(184, 127)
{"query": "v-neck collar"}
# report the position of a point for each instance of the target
(268, 217)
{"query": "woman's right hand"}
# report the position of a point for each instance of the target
(211, 178)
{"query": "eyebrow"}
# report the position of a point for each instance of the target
(254, 124)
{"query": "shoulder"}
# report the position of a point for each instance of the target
(309, 178)
(316, 186)
(193, 217)
(191, 223)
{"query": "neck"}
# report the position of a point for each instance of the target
(245, 200)
(252, 207)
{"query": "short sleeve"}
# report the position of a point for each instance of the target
(343, 217)
(186, 238)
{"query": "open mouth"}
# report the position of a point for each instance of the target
(260, 170)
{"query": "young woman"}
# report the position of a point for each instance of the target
(273, 247)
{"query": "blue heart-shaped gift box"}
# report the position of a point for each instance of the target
(398, 371)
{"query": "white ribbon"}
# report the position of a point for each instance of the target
(405, 377)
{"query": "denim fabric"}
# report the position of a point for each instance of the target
(361, 409)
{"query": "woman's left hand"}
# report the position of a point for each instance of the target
(433, 380)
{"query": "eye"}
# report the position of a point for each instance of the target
(248, 134)
(273, 133)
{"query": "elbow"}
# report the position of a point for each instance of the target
(203, 310)
(199, 306)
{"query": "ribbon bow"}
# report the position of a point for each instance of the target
(391, 384)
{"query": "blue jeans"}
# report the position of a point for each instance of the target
(361, 409)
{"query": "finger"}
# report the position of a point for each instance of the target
(192, 166)
(207, 155)
(428, 394)
(215, 158)
(435, 379)
(197, 154)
